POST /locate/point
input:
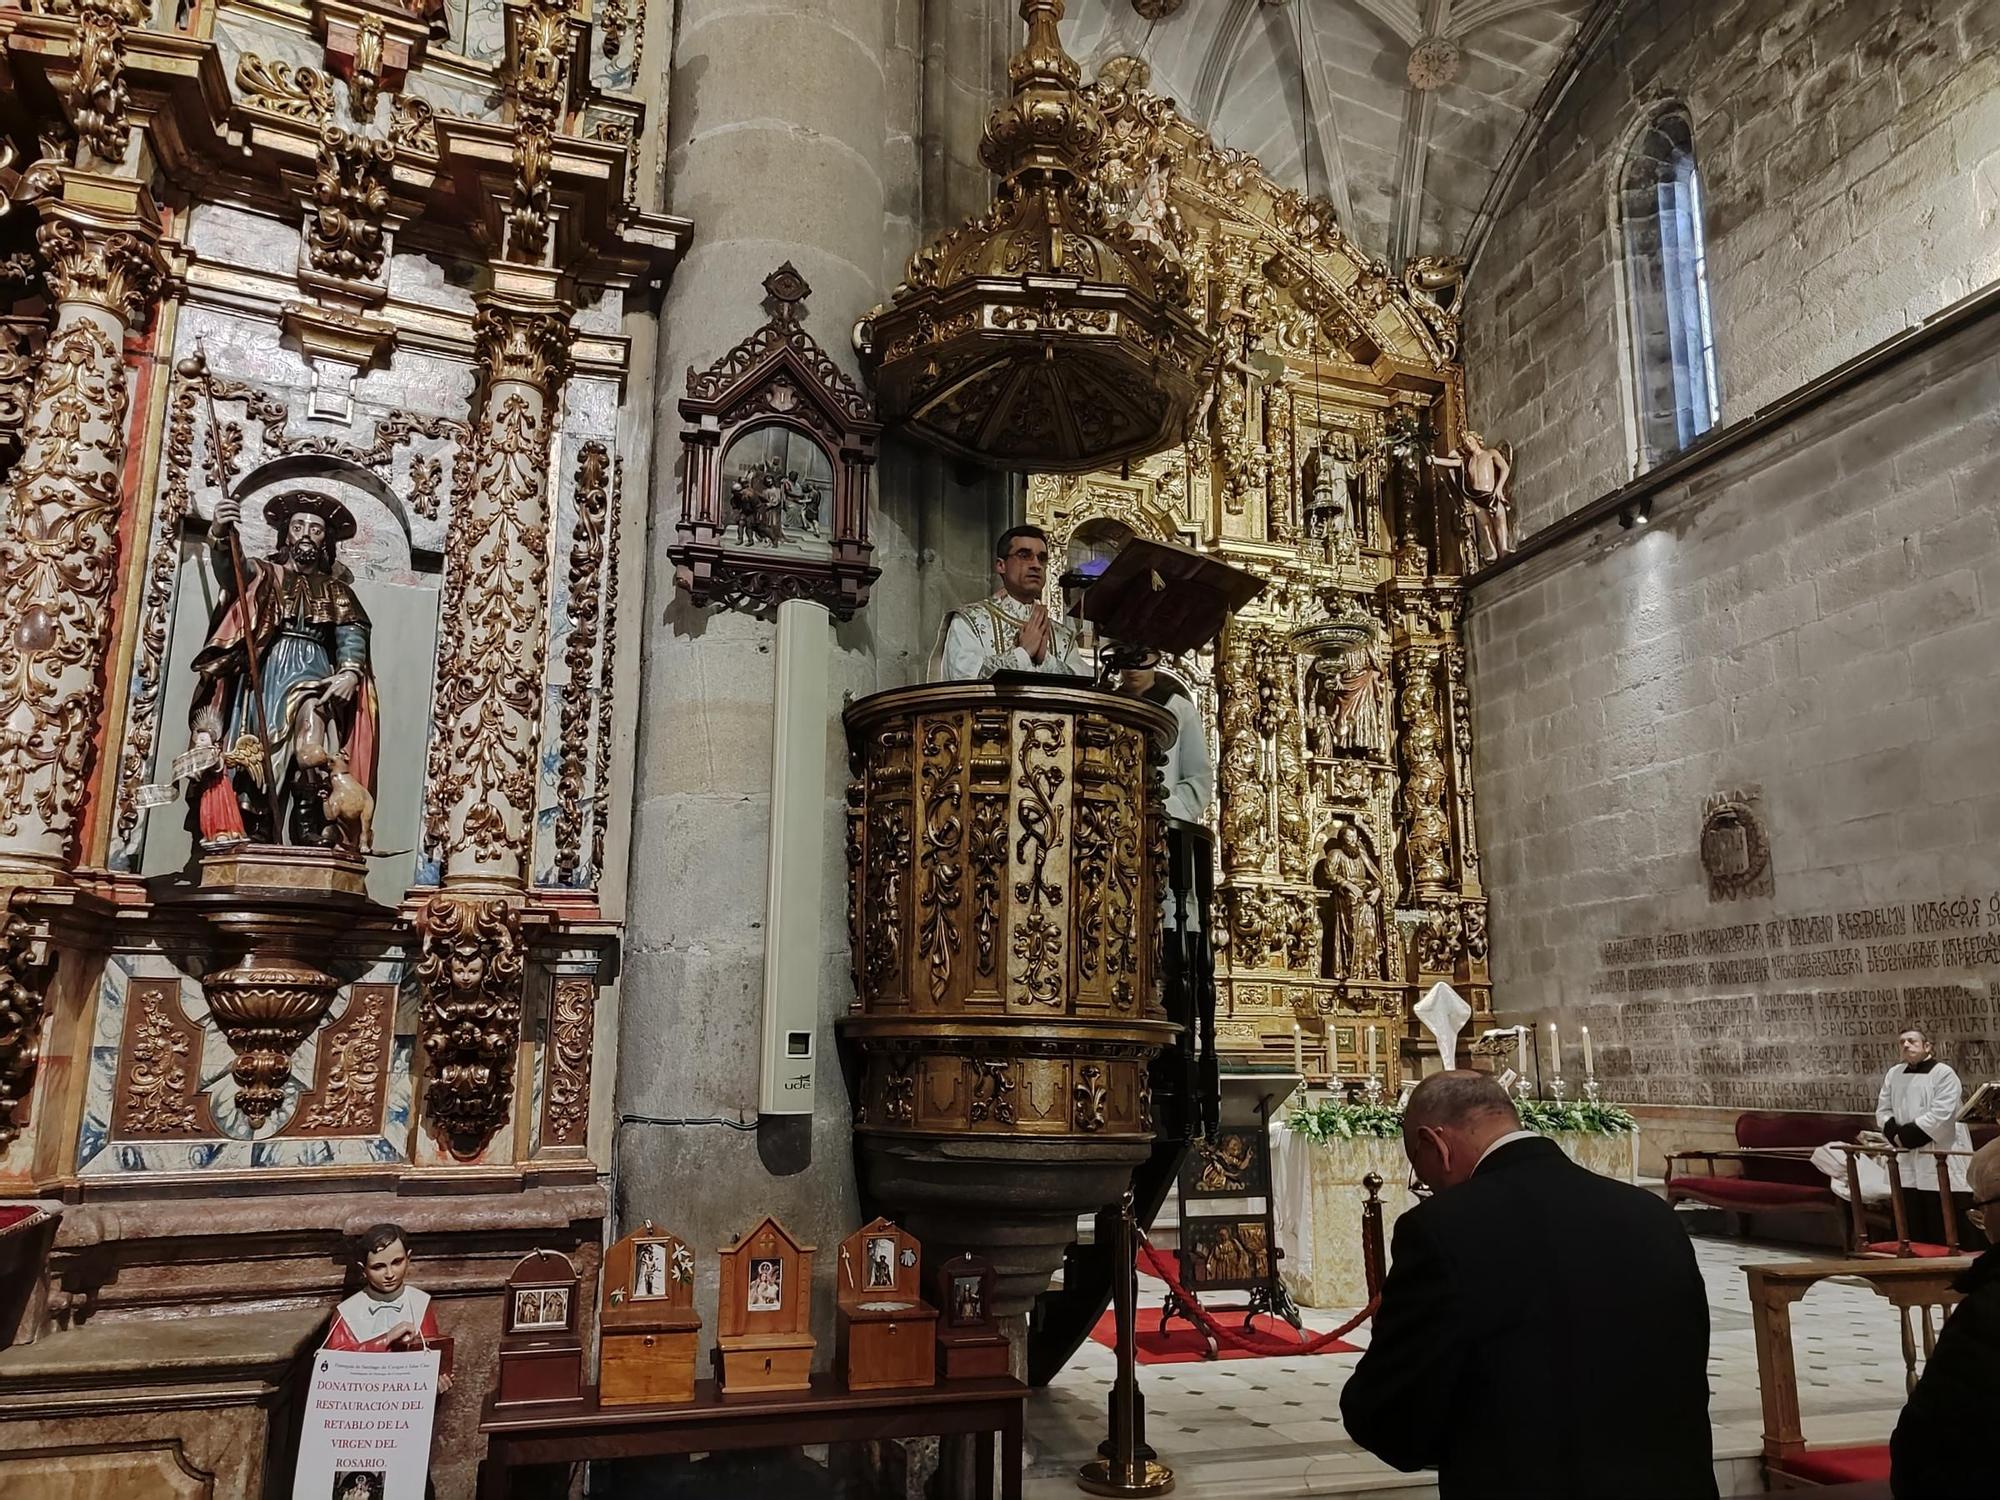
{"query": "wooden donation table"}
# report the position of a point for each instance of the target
(1317, 1195)
(828, 1413)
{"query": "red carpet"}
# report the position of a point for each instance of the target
(1183, 1344)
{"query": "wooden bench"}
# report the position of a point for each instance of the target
(1919, 1290)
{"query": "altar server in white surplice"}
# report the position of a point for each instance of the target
(1011, 631)
(1918, 1107)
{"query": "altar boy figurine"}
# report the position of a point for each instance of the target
(387, 1314)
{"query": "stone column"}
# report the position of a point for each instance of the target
(59, 537)
(778, 151)
(488, 709)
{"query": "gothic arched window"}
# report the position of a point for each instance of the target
(1666, 285)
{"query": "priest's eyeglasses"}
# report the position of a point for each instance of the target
(1977, 1213)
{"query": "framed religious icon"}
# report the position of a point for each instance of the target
(763, 1314)
(970, 1343)
(646, 1351)
(885, 1334)
(1226, 1255)
(1234, 1163)
(541, 1350)
(780, 448)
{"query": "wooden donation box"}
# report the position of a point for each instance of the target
(763, 1313)
(541, 1354)
(970, 1343)
(885, 1335)
(647, 1322)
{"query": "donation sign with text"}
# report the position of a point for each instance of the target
(368, 1426)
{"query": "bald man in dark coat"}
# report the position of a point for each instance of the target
(1543, 1330)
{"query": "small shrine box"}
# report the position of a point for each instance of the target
(541, 1355)
(885, 1333)
(970, 1345)
(647, 1325)
(763, 1315)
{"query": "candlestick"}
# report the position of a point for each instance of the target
(1589, 1067)
(1590, 1089)
(1371, 1051)
(1298, 1049)
(1521, 1050)
(1555, 1050)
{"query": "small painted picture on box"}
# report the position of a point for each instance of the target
(649, 1270)
(968, 1302)
(881, 1262)
(540, 1307)
(767, 1285)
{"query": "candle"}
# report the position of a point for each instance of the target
(1555, 1050)
(1371, 1051)
(1298, 1049)
(1521, 1050)
(1589, 1067)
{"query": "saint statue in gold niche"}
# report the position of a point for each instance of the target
(1351, 907)
(284, 720)
(1350, 704)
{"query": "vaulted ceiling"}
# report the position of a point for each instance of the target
(1408, 114)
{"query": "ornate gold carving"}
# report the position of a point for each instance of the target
(157, 1086)
(899, 1089)
(364, 75)
(942, 871)
(888, 857)
(992, 1090)
(537, 73)
(494, 641)
(566, 1085)
(586, 569)
(26, 965)
(58, 551)
(984, 386)
(347, 1098)
(117, 271)
(280, 89)
(1038, 939)
(344, 236)
(413, 126)
(528, 343)
(264, 1009)
(97, 92)
(470, 971)
(606, 674)
(1089, 1098)
(1427, 830)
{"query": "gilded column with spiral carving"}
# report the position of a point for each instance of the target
(1427, 831)
(59, 537)
(488, 706)
(490, 661)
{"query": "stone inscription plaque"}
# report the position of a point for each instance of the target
(1795, 1012)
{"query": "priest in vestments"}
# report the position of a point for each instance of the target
(1012, 630)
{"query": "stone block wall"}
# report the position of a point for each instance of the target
(1812, 619)
(1850, 151)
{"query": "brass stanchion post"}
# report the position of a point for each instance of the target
(1125, 1472)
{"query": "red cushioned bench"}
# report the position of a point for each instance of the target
(1774, 1170)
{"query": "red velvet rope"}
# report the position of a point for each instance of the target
(1159, 1262)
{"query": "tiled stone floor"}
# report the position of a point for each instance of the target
(1266, 1428)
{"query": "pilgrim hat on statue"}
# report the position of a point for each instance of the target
(280, 509)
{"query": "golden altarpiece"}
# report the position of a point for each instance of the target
(320, 306)
(1348, 879)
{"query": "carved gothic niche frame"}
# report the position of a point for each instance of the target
(778, 383)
